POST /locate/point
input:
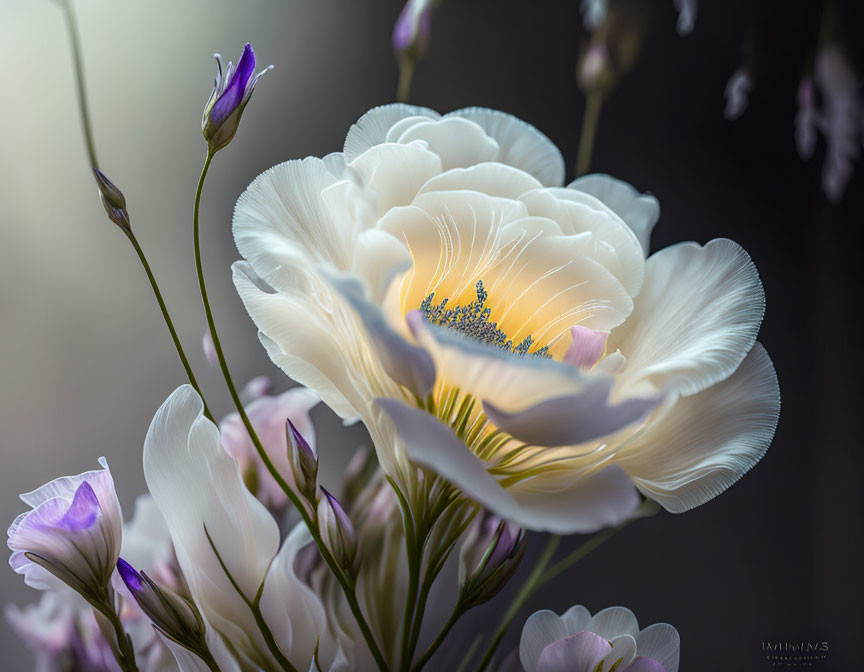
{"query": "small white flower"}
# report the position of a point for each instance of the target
(578, 642)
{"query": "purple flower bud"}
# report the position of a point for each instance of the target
(172, 615)
(232, 91)
(338, 532)
(489, 557)
(113, 200)
(303, 461)
(73, 533)
(411, 32)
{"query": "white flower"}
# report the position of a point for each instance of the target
(197, 486)
(563, 368)
(578, 642)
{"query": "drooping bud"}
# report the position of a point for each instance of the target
(489, 557)
(173, 616)
(232, 91)
(338, 533)
(73, 532)
(113, 200)
(304, 463)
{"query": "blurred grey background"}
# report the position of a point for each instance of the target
(86, 359)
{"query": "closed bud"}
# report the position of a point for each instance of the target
(338, 534)
(304, 463)
(490, 556)
(231, 93)
(411, 32)
(173, 616)
(113, 200)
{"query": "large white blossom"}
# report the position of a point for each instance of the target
(436, 281)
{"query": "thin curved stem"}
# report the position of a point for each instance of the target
(87, 129)
(345, 581)
(167, 317)
(77, 60)
(593, 105)
(406, 75)
(455, 615)
(125, 653)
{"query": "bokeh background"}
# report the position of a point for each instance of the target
(85, 359)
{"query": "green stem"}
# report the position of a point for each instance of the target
(455, 615)
(526, 592)
(578, 554)
(87, 128)
(75, 43)
(344, 581)
(167, 317)
(125, 653)
(406, 74)
(593, 105)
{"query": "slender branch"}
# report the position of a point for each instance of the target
(455, 615)
(406, 75)
(75, 43)
(87, 128)
(593, 105)
(125, 653)
(167, 317)
(345, 582)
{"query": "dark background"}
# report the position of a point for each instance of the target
(86, 362)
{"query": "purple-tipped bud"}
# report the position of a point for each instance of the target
(113, 200)
(411, 32)
(338, 533)
(172, 615)
(304, 463)
(490, 556)
(232, 91)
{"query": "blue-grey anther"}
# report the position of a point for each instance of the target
(473, 320)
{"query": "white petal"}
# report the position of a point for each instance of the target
(604, 498)
(575, 619)
(317, 348)
(397, 171)
(371, 129)
(612, 622)
(459, 142)
(639, 211)
(706, 442)
(522, 145)
(189, 662)
(582, 652)
(662, 643)
(196, 484)
(695, 319)
(405, 363)
(541, 629)
(492, 179)
(623, 649)
(282, 221)
(292, 609)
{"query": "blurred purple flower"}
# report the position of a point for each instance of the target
(411, 32)
(686, 15)
(737, 94)
(806, 120)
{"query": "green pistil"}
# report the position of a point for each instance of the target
(474, 321)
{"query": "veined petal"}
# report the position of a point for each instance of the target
(281, 220)
(640, 211)
(662, 643)
(397, 171)
(371, 129)
(575, 619)
(197, 485)
(623, 649)
(459, 142)
(694, 320)
(521, 144)
(493, 179)
(612, 622)
(706, 442)
(540, 630)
